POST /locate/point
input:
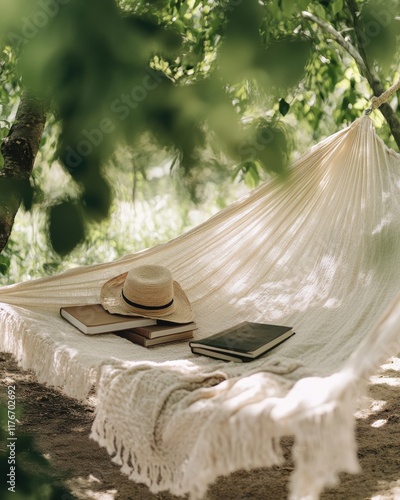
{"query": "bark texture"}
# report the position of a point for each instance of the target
(19, 150)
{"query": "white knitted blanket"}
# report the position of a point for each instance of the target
(320, 252)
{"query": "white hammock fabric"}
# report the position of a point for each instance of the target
(320, 252)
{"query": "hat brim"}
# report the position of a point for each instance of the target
(111, 299)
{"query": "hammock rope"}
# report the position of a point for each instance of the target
(376, 102)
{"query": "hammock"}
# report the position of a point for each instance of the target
(320, 252)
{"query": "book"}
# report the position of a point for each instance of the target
(163, 328)
(93, 319)
(146, 342)
(220, 355)
(245, 340)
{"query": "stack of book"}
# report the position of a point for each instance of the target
(243, 342)
(93, 319)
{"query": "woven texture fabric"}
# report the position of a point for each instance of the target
(319, 252)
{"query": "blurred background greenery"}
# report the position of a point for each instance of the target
(161, 112)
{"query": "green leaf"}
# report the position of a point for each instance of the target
(66, 227)
(251, 176)
(288, 7)
(319, 11)
(4, 264)
(96, 197)
(27, 195)
(283, 107)
(337, 6)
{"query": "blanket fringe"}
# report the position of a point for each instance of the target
(325, 445)
(247, 436)
(39, 353)
(194, 475)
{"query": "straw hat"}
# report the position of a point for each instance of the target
(147, 291)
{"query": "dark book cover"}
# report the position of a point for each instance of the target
(237, 358)
(247, 339)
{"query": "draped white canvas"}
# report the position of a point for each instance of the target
(320, 252)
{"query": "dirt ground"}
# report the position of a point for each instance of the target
(61, 427)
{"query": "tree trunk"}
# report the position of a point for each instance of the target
(19, 150)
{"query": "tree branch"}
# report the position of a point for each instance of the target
(19, 150)
(373, 79)
(348, 47)
(361, 60)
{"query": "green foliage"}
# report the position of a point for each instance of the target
(379, 31)
(9, 88)
(223, 86)
(5, 262)
(66, 226)
(283, 107)
(151, 205)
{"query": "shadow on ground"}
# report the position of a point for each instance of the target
(61, 427)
